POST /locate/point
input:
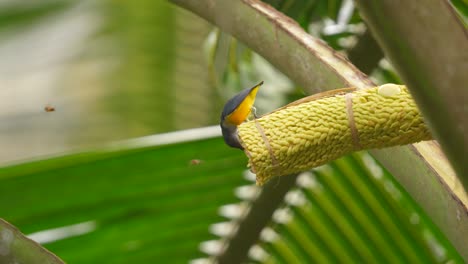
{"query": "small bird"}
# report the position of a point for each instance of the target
(236, 111)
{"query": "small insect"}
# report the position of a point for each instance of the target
(195, 162)
(49, 108)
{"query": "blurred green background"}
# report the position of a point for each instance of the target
(111, 69)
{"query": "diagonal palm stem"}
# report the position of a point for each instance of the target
(17, 248)
(259, 215)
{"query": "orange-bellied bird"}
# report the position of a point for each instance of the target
(236, 111)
